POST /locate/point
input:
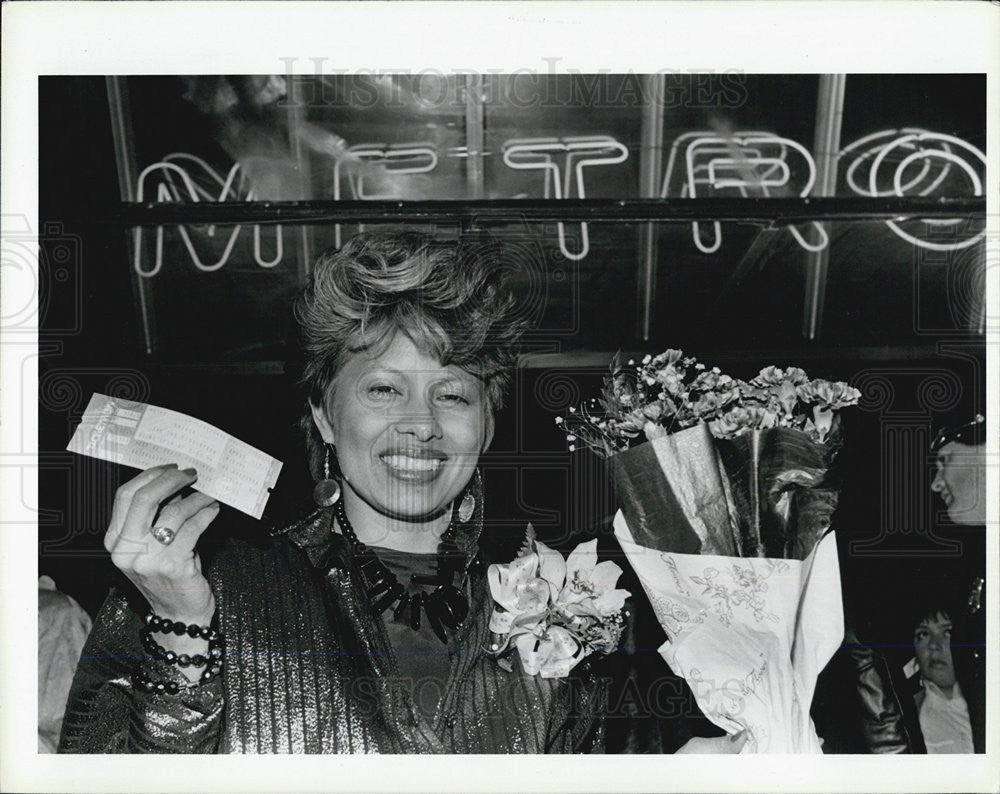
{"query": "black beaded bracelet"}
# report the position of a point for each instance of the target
(212, 661)
(157, 651)
(167, 626)
(142, 681)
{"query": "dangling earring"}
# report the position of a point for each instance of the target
(468, 504)
(327, 491)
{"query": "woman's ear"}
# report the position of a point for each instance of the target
(322, 423)
(490, 427)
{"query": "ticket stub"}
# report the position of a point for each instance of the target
(140, 435)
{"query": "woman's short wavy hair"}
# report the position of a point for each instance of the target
(449, 297)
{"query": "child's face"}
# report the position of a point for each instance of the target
(932, 647)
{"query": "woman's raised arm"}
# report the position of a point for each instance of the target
(129, 696)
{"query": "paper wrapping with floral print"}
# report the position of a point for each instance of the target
(675, 494)
(750, 636)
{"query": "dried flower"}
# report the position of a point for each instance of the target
(670, 391)
(829, 395)
(769, 376)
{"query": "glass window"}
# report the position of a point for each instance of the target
(224, 292)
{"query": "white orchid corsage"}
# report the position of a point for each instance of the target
(555, 611)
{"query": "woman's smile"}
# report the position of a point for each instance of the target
(408, 432)
(410, 464)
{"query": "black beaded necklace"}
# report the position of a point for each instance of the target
(446, 606)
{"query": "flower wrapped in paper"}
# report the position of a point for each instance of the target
(782, 487)
(778, 444)
(749, 635)
(675, 495)
(726, 502)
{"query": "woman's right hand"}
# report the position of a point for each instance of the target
(717, 745)
(168, 575)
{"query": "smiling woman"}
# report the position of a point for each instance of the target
(364, 627)
(408, 433)
(960, 471)
(410, 347)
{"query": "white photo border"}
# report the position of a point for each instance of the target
(130, 38)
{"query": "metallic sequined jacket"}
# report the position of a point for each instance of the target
(309, 669)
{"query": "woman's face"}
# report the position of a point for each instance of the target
(960, 481)
(408, 431)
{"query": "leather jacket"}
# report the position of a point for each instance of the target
(887, 724)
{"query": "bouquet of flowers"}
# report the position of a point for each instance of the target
(726, 499)
(778, 445)
(555, 611)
